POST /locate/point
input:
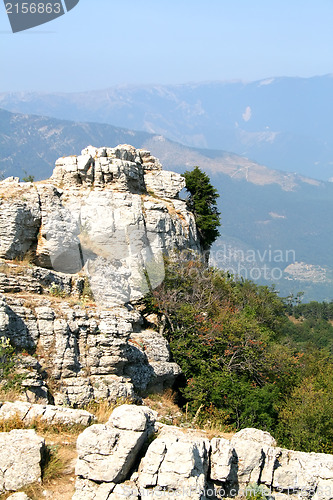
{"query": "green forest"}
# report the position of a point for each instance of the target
(249, 357)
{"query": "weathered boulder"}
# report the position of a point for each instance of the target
(20, 459)
(19, 496)
(252, 457)
(223, 461)
(20, 218)
(107, 452)
(250, 447)
(293, 472)
(49, 414)
(149, 361)
(240, 461)
(176, 463)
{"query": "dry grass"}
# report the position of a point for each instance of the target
(10, 269)
(11, 395)
(103, 409)
(10, 191)
(41, 426)
(58, 479)
(170, 413)
(31, 300)
(7, 425)
(167, 409)
(25, 260)
(296, 321)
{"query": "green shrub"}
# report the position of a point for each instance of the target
(10, 379)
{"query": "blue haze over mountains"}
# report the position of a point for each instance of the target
(282, 123)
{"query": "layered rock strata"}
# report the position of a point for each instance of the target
(96, 230)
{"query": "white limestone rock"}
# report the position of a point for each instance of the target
(95, 217)
(175, 463)
(98, 216)
(20, 459)
(133, 418)
(223, 460)
(89, 490)
(250, 447)
(300, 473)
(20, 217)
(19, 496)
(107, 452)
(164, 184)
(51, 414)
(149, 346)
(126, 490)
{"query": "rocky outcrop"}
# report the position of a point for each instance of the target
(110, 211)
(176, 463)
(20, 459)
(97, 229)
(113, 462)
(251, 457)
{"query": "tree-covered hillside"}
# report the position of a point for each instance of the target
(246, 363)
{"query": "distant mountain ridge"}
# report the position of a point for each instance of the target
(284, 123)
(264, 212)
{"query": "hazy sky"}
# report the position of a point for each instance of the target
(101, 43)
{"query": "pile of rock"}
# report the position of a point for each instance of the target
(114, 463)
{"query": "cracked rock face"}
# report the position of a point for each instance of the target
(107, 452)
(175, 463)
(20, 459)
(110, 211)
(87, 353)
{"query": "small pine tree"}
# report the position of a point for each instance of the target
(202, 202)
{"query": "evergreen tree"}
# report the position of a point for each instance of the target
(202, 202)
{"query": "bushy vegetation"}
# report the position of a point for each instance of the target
(245, 363)
(10, 378)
